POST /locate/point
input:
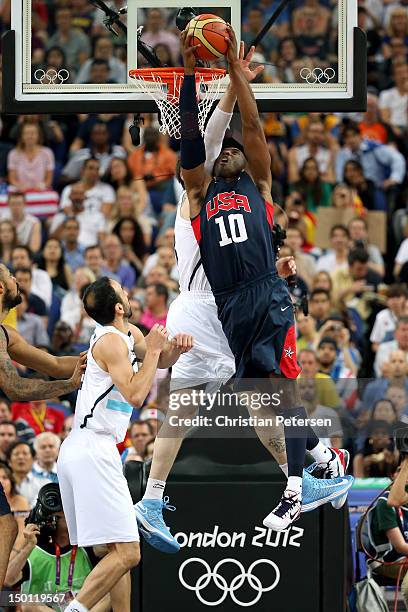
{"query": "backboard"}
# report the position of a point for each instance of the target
(314, 54)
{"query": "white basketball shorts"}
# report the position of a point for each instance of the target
(210, 361)
(95, 495)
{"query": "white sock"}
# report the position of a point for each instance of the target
(295, 484)
(284, 468)
(321, 453)
(76, 606)
(154, 489)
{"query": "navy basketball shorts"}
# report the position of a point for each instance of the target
(4, 505)
(258, 321)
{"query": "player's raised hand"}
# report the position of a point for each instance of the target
(183, 342)
(232, 52)
(188, 52)
(250, 73)
(286, 266)
(157, 337)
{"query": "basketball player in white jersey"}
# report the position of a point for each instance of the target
(210, 363)
(95, 495)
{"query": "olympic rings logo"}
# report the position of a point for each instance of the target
(236, 583)
(317, 75)
(52, 76)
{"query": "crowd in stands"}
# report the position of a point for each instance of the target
(78, 201)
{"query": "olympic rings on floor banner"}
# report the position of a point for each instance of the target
(236, 583)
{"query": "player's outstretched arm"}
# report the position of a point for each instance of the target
(26, 389)
(40, 361)
(255, 146)
(111, 353)
(192, 149)
(220, 119)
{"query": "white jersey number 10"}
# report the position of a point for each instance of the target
(237, 229)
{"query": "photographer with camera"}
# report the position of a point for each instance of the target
(385, 536)
(48, 564)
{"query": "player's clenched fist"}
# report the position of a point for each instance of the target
(183, 342)
(157, 337)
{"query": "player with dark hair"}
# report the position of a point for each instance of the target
(232, 218)
(97, 504)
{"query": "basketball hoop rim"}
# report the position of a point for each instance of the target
(168, 73)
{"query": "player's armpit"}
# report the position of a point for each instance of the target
(196, 194)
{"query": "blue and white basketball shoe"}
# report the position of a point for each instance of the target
(336, 467)
(315, 493)
(149, 514)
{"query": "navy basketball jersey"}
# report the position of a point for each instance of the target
(233, 231)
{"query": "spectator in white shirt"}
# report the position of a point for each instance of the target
(385, 349)
(386, 320)
(100, 197)
(337, 257)
(41, 283)
(72, 311)
(92, 223)
(315, 138)
(28, 227)
(46, 446)
(394, 102)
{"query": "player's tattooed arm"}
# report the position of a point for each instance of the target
(35, 359)
(25, 389)
(277, 444)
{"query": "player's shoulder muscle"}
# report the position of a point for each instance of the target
(109, 348)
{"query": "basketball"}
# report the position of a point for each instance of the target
(209, 31)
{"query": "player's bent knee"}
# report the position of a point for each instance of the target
(129, 554)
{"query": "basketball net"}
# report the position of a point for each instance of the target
(164, 85)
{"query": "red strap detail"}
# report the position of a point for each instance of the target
(269, 213)
(288, 363)
(196, 225)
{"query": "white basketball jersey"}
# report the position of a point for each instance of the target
(191, 271)
(100, 406)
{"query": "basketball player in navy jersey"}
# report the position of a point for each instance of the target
(232, 219)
